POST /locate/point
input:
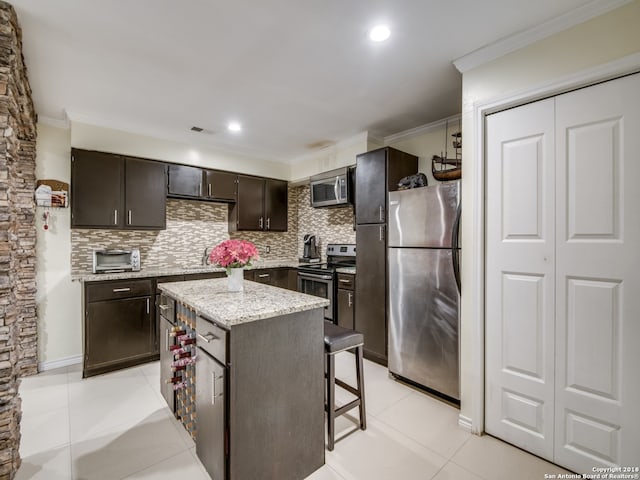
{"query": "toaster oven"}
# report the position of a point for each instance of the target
(112, 261)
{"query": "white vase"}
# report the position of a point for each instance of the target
(235, 279)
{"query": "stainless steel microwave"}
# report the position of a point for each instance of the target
(110, 261)
(333, 188)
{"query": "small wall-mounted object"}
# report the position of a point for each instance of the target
(52, 193)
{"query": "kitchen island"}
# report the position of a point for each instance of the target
(259, 377)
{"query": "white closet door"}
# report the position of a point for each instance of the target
(520, 286)
(598, 276)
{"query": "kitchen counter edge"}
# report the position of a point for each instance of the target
(211, 299)
(165, 272)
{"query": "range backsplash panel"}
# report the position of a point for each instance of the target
(193, 226)
(329, 225)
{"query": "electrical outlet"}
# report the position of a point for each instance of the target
(267, 249)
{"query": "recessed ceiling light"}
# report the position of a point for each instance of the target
(234, 127)
(379, 33)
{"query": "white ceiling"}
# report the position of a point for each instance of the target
(294, 72)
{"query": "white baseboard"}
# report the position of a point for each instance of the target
(59, 363)
(465, 423)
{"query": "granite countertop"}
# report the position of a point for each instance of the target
(162, 272)
(350, 270)
(211, 299)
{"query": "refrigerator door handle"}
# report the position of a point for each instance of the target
(455, 247)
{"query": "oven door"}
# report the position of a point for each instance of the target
(319, 285)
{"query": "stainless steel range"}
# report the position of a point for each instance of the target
(320, 279)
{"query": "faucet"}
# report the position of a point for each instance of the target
(205, 256)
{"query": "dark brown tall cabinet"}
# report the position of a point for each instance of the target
(113, 191)
(378, 172)
(261, 205)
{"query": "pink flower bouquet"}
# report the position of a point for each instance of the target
(234, 254)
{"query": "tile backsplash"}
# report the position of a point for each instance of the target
(329, 225)
(193, 226)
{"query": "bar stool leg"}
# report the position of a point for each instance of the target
(331, 400)
(360, 381)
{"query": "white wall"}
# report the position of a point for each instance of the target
(58, 298)
(335, 156)
(427, 141)
(603, 39)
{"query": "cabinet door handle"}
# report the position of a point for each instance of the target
(164, 308)
(214, 379)
(263, 275)
(350, 297)
(200, 190)
(115, 217)
(342, 280)
(166, 339)
(213, 388)
(208, 337)
(381, 230)
(260, 222)
(268, 223)
(381, 214)
(209, 189)
(148, 311)
(117, 290)
(129, 217)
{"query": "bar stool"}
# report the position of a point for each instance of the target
(338, 339)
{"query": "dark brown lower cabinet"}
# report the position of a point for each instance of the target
(346, 308)
(120, 328)
(345, 300)
(276, 277)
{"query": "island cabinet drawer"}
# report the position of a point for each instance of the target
(212, 339)
(116, 289)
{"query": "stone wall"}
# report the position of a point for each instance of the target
(17, 236)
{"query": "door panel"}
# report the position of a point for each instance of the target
(185, 181)
(145, 194)
(275, 205)
(371, 306)
(371, 187)
(96, 189)
(250, 204)
(597, 337)
(423, 318)
(573, 289)
(520, 277)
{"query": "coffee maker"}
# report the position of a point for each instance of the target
(310, 252)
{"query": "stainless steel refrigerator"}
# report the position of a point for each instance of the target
(423, 253)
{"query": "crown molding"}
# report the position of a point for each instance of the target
(412, 132)
(527, 37)
(55, 122)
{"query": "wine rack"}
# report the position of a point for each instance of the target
(184, 368)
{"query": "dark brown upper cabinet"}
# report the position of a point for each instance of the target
(145, 196)
(219, 185)
(184, 181)
(261, 205)
(378, 172)
(116, 192)
(96, 189)
(199, 184)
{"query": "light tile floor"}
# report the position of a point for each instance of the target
(117, 426)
